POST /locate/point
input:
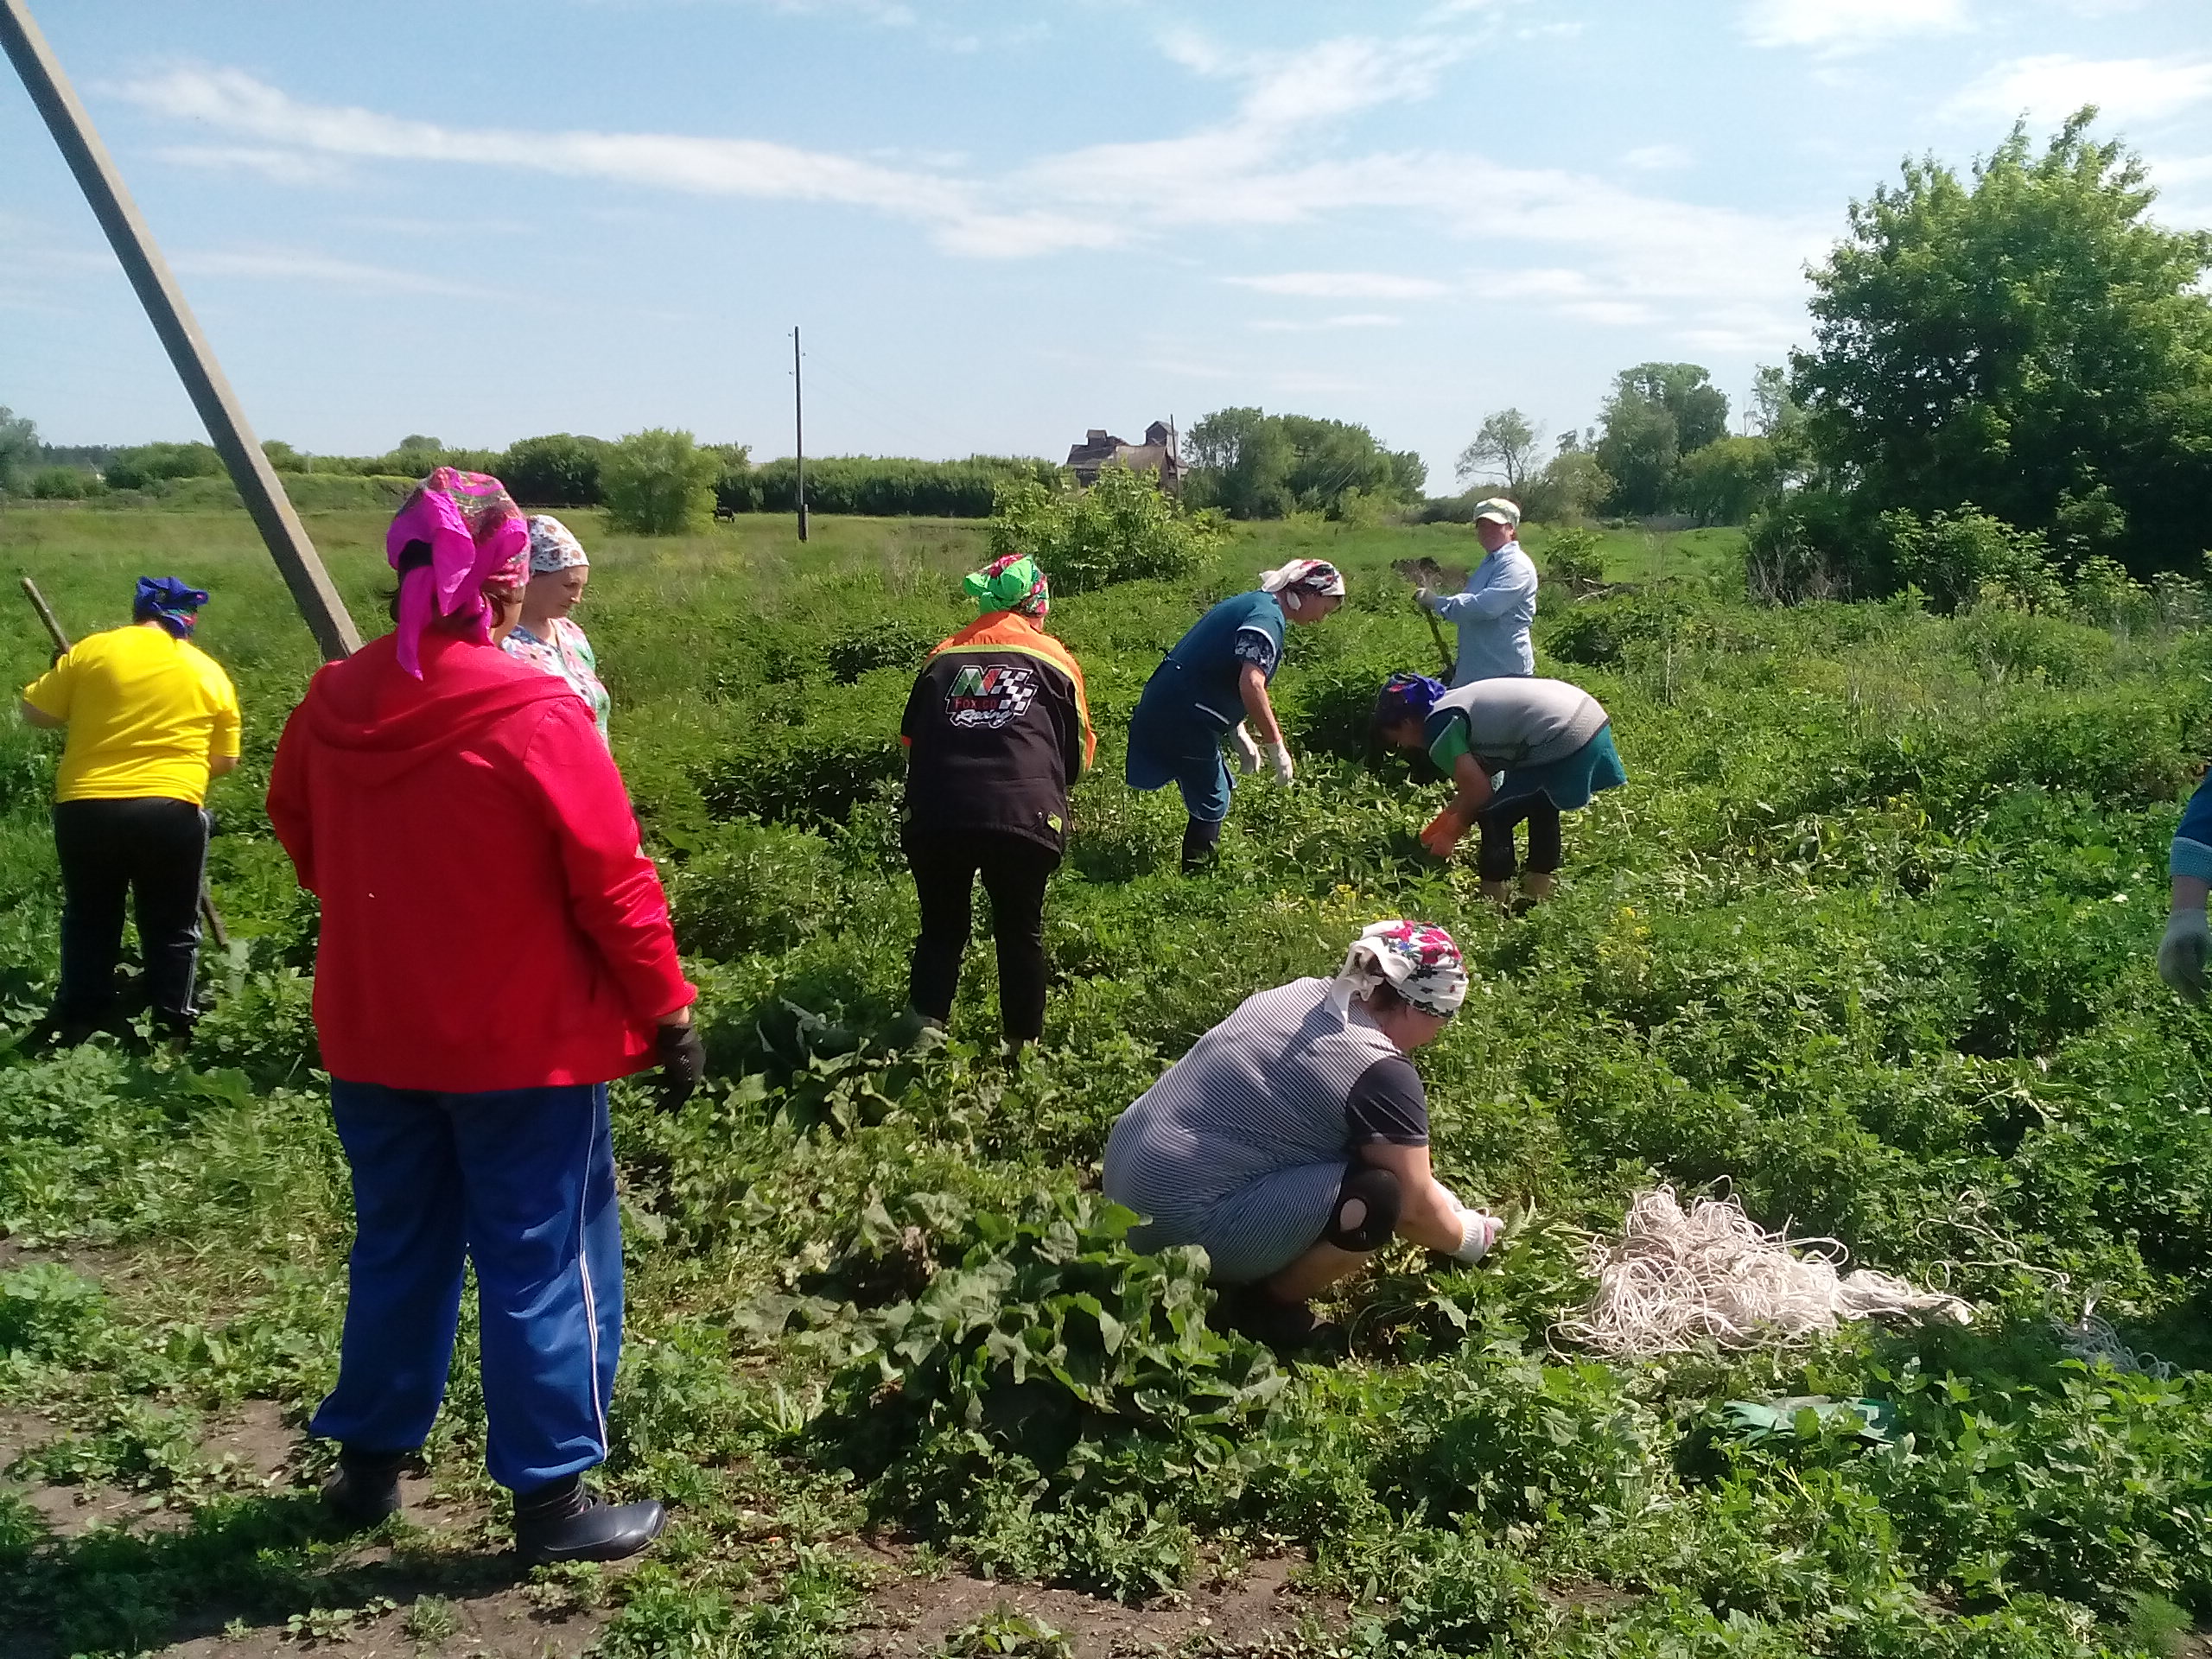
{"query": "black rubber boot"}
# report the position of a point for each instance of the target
(1287, 1327)
(567, 1521)
(364, 1487)
(1200, 845)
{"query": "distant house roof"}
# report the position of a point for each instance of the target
(1101, 449)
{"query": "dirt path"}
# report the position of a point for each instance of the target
(908, 1616)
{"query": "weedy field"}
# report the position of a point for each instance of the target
(1868, 936)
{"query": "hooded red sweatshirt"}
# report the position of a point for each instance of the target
(488, 921)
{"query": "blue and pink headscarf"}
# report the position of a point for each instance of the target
(477, 540)
(169, 602)
(1407, 696)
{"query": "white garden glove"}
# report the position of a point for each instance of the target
(2182, 953)
(1478, 1232)
(1279, 757)
(1247, 751)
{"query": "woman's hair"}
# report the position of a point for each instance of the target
(1381, 999)
(1391, 711)
(413, 557)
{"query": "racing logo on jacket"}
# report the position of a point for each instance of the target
(990, 695)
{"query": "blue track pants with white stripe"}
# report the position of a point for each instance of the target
(521, 1182)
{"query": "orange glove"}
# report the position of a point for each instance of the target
(1444, 832)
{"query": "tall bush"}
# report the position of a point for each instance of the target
(884, 486)
(149, 465)
(659, 482)
(559, 470)
(1121, 529)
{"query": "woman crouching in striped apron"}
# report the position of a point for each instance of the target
(1292, 1142)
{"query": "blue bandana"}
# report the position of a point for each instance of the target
(169, 602)
(1408, 697)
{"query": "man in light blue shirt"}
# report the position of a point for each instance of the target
(1499, 602)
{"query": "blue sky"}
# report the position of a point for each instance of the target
(1000, 223)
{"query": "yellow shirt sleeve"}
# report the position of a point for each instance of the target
(49, 693)
(223, 740)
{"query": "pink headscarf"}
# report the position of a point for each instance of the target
(477, 540)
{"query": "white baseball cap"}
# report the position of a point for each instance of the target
(1498, 508)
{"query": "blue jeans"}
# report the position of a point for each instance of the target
(521, 1182)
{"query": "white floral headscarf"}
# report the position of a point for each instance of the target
(553, 546)
(1418, 961)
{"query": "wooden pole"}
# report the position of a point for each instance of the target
(173, 321)
(799, 432)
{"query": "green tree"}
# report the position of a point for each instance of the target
(1503, 448)
(559, 470)
(1729, 480)
(1775, 412)
(19, 449)
(1640, 450)
(1123, 528)
(283, 458)
(1686, 393)
(1255, 465)
(659, 482)
(1569, 490)
(2024, 340)
(1240, 461)
(1334, 458)
(1656, 414)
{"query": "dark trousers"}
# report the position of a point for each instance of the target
(1014, 870)
(150, 848)
(521, 1182)
(1495, 861)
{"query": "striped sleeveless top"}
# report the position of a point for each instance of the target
(1258, 1102)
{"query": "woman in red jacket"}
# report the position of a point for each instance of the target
(495, 949)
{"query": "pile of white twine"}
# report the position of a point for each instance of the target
(2091, 1338)
(1677, 1278)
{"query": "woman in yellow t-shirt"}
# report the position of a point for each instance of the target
(150, 718)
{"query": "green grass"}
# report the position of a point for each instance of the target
(1867, 935)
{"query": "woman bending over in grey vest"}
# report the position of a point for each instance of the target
(1548, 745)
(1292, 1142)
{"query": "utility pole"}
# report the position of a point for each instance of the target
(173, 321)
(799, 432)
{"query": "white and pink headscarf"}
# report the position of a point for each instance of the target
(1417, 960)
(1301, 576)
(477, 540)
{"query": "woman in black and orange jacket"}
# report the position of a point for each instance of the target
(997, 730)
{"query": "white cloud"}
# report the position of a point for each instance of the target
(1350, 319)
(232, 101)
(2048, 89)
(277, 166)
(1342, 285)
(304, 265)
(1839, 26)
(1576, 244)
(1658, 158)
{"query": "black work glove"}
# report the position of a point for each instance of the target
(683, 1062)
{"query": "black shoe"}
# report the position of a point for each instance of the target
(567, 1523)
(364, 1487)
(1287, 1327)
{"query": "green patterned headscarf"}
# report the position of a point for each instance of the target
(1013, 583)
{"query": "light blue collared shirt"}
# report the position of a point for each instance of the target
(1493, 613)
